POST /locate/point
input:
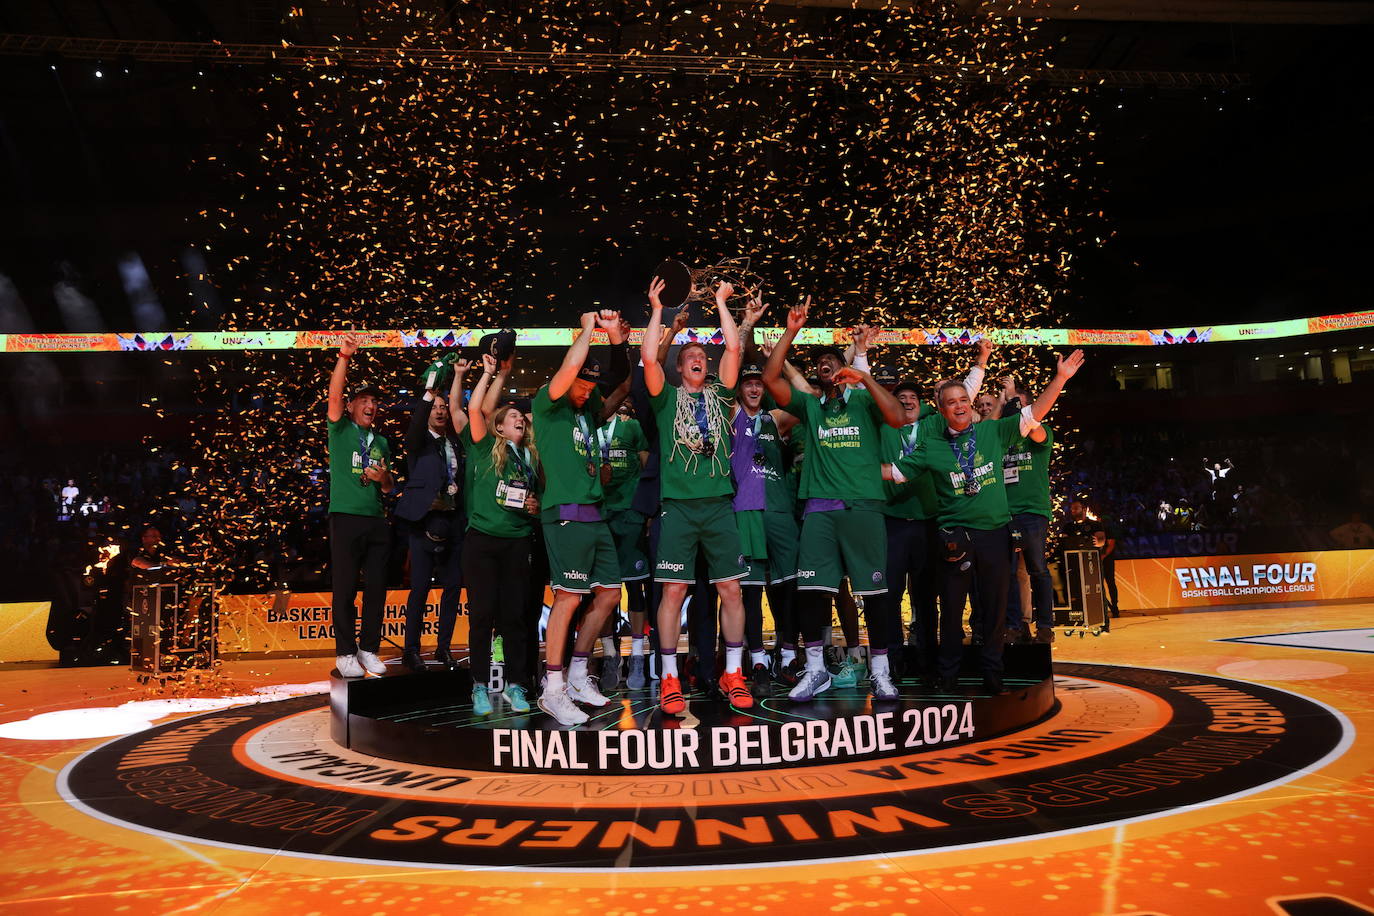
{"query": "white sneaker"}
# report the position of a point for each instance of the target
(883, 688)
(811, 683)
(586, 692)
(348, 666)
(371, 663)
(557, 704)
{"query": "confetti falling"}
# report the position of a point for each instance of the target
(489, 196)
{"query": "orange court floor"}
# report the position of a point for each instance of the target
(1297, 841)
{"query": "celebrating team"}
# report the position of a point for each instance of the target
(753, 481)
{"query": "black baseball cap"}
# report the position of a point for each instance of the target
(366, 389)
(823, 350)
(885, 376)
(591, 369)
(751, 369)
(907, 384)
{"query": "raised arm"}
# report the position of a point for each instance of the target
(974, 380)
(457, 414)
(572, 360)
(729, 361)
(752, 313)
(651, 352)
(894, 414)
(339, 379)
(772, 370)
(1067, 367)
(477, 419)
(612, 402)
(493, 394)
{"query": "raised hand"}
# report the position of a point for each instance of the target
(848, 376)
(461, 365)
(753, 311)
(488, 364)
(1070, 364)
(724, 292)
(349, 345)
(984, 350)
(680, 320)
(796, 317)
(589, 320)
(863, 335)
(656, 286)
(608, 320)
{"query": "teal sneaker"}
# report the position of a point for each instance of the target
(481, 703)
(514, 694)
(851, 672)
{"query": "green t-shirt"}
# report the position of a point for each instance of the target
(1026, 473)
(843, 444)
(484, 487)
(985, 443)
(567, 445)
(686, 469)
(915, 497)
(347, 440)
(622, 440)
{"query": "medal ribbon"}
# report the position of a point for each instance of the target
(963, 455)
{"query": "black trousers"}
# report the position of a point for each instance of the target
(908, 562)
(430, 561)
(496, 571)
(989, 562)
(358, 543)
(1109, 580)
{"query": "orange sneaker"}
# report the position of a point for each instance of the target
(670, 696)
(736, 691)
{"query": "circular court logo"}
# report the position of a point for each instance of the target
(1123, 744)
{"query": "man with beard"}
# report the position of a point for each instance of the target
(431, 502)
(359, 538)
(841, 485)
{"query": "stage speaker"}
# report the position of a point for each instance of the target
(1082, 571)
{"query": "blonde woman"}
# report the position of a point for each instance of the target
(502, 505)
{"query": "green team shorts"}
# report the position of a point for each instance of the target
(781, 534)
(850, 542)
(688, 524)
(581, 556)
(627, 530)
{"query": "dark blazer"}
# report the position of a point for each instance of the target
(426, 465)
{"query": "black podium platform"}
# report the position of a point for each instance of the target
(426, 718)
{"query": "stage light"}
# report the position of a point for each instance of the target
(99, 74)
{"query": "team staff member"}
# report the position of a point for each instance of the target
(503, 480)
(359, 538)
(909, 514)
(841, 484)
(696, 490)
(581, 551)
(431, 501)
(964, 460)
(1026, 473)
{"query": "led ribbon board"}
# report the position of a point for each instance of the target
(444, 338)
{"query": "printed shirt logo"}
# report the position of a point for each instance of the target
(837, 431)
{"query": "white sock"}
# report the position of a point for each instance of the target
(879, 664)
(609, 646)
(788, 656)
(734, 658)
(637, 645)
(815, 658)
(577, 671)
(667, 665)
(856, 653)
(758, 657)
(553, 681)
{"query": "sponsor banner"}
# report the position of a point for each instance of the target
(1262, 578)
(163, 341)
(303, 622)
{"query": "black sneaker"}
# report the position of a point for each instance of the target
(792, 672)
(412, 660)
(760, 682)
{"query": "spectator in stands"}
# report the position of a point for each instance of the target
(1354, 534)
